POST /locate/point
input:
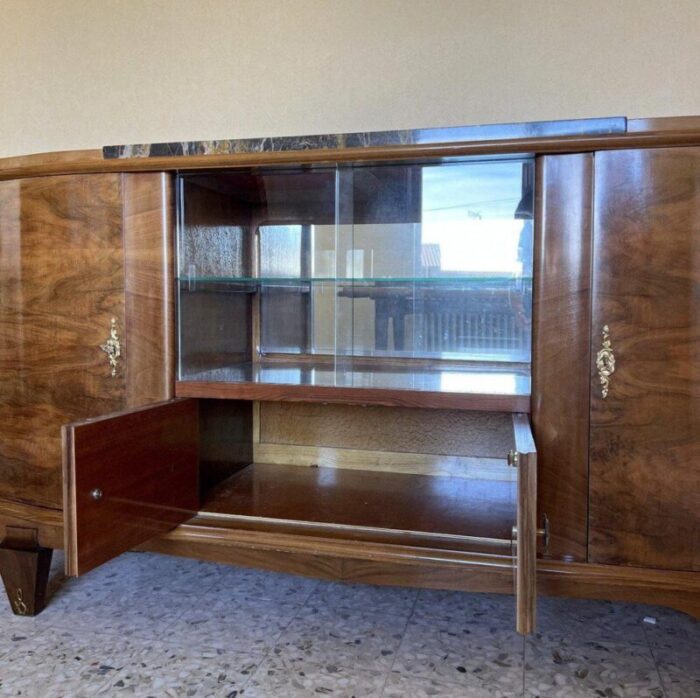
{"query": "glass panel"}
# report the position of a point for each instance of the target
(441, 267)
(349, 272)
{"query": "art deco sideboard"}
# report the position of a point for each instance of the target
(458, 358)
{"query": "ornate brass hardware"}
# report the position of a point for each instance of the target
(18, 602)
(605, 362)
(112, 347)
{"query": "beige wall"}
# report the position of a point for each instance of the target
(83, 73)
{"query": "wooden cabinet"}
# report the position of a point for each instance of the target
(354, 386)
(645, 407)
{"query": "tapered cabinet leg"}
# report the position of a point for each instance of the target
(24, 566)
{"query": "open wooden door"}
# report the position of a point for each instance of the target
(524, 459)
(128, 477)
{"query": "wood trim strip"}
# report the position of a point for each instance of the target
(352, 530)
(70, 508)
(356, 561)
(148, 272)
(333, 547)
(526, 574)
(642, 133)
(353, 396)
(48, 522)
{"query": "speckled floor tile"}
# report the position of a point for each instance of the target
(446, 607)
(71, 608)
(152, 625)
(113, 575)
(555, 667)
(402, 686)
(672, 629)
(139, 612)
(286, 679)
(679, 669)
(394, 600)
(55, 664)
(244, 624)
(234, 582)
(346, 636)
(484, 660)
(167, 572)
(159, 669)
(591, 620)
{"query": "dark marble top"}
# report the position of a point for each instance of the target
(454, 134)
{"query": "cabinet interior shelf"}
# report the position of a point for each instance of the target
(456, 513)
(432, 280)
(354, 381)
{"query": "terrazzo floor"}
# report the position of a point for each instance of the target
(151, 625)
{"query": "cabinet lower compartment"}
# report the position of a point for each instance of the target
(132, 475)
(425, 510)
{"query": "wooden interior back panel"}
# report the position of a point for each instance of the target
(645, 445)
(439, 432)
(143, 464)
(61, 282)
(561, 347)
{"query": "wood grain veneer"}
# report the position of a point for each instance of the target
(360, 562)
(144, 465)
(76, 252)
(645, 478)
(561, 347)
(149, 303)
(350, 498)
(62, 280)
(47, 522)
(526, 569)
(354, 396)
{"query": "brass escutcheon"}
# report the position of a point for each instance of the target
(605, 362)
(112, 347)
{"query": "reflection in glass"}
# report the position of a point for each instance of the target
(358, 264)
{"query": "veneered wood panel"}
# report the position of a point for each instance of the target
(143, 464)
(645, 445)
(561, 347)
(491, 402)
(148, 270)
(61, 282)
